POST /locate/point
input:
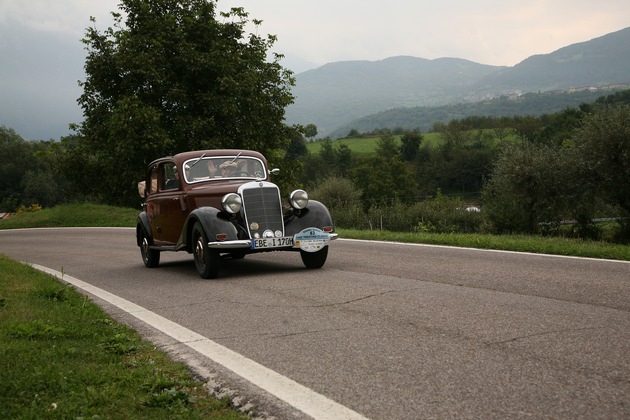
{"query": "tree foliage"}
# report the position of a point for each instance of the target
(384, 178)
(410, 145)
(525, 188)
(170, 77)
(27, 175)
(603, 142)
(537, 184)
(297, 145)
(310, 131)
(459, 164)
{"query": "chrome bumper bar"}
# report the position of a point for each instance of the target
(241, 243)
(245, 243)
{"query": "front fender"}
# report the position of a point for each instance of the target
(314, 215)
(212, 221)
(142, 222)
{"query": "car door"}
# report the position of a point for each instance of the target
(168, 206)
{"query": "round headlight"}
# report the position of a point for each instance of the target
(298, 199)
(231, 203)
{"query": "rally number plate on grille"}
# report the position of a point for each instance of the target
(272, 242)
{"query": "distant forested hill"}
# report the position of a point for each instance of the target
(336, 94)
(598, 62)
(424, 118)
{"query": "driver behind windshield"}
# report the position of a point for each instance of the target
(228, 169)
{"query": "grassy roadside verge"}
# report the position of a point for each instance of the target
(61, 356)
(78, 215)
(74, 215)
(521, 243)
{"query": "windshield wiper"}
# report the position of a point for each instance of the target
(237, 156)
(198, 159)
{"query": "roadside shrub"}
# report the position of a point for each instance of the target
(441, 214)
(397, 217)
(444, 214)
(622, 234)
(336, 192)
(350, 217)
(343, 200)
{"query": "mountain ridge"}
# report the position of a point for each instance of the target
(335, 94)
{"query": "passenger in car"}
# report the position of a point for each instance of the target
(228, 169)
(172, 183)
(212, 168)
(142, 185)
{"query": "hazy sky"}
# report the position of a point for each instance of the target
(498, 32)
(40, 48)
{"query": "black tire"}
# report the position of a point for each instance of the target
(207, 260)
(150, 257)
(314, 259)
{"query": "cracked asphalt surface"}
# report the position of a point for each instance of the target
(387, 330)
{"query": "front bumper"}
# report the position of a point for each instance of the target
(246, 243)
(241, 243)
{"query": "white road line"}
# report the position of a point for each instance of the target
(498, 251)
(289, 391)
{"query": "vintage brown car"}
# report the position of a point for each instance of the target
(218, 204)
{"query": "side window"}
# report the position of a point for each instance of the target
(154, 180)
(170, 179)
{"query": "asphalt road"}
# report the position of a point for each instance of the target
(387, 330)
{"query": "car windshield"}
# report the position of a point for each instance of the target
(222, 167)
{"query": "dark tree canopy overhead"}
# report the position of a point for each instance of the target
(170, 76)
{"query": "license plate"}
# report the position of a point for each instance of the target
(272, 242)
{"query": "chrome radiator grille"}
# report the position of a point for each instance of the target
(262, 209)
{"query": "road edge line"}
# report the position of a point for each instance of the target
(298, 396)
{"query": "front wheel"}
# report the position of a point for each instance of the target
(314, 259)
(150, 257)
(207, 260)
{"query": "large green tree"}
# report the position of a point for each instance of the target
(604, 145)
(169, 76)
(527, 187)
(603, 152)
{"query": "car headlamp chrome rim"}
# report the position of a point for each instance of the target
(298, 199)
(231, 203)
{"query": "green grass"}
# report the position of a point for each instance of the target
(522, 243)
(74, 215)
(366, 146)
(61, 356)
